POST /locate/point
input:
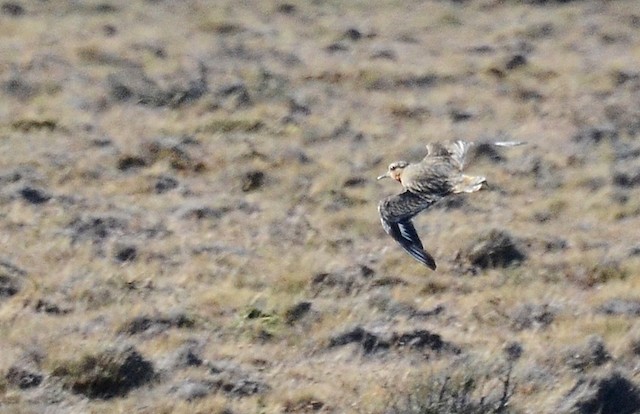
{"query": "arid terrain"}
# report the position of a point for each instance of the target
(188, 207)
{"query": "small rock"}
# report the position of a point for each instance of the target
(626, 151)
(109, 30)
(336, 47)
(190, 390)
(355, 182)
(527, 316)
(19, 88)
(165, 183)
(367, 340)
(27, 125)
(200, 212)
(187, 357)
(626, 177)
(622, 76)
(554, 244)
(547, 175)
(513, 351)
(593, 353)
(340, 200)
(353, 34)
(34, 195)
(130, 162)
(296, 312)
(515, 61)
(345, 282)
(125, 254)
(493, 249)
(395, 308)
(420, 81)
(176, 151)
(233, 381)
(628, 307)
(482, 49)
(102, 142)
(294, 154)
(96, 228)
(243, 387)
(596, 134)
(298, 107)
(366, 271)
(389, 281)
(237, 92)
(105, 8)
(23, 378)
(459, 115)
(13, 9)
(111, 373)
(10, 279)
(156, 324)
(527, 94)
(386, 54)
(609, 394)
(136, 86)
(419, 339)
(286, 8)
(540, 30)
(232, 89)
(51, 308)
(634, 346)
(252, 180)
(303, 405)
(9, 286)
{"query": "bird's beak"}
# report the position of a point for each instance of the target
(385, 175)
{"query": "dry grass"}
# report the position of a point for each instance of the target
(316, 111)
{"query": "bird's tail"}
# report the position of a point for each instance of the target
(469, 184)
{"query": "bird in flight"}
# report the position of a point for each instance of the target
(437, 176)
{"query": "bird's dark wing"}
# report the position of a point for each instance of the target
(396, 213)
(405, 234)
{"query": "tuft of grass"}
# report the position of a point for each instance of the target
(29, 125)
(105, 375)
(461, 391)
(450, 19)
(227, 125)
(258, 324)
(598, 273)
(94, 55)
(215, 24)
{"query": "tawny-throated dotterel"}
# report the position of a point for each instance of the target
(437, 176)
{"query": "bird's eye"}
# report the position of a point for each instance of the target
(393, 167)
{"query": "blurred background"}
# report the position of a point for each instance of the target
(188, 207)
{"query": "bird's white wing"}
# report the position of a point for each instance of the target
(458, 150)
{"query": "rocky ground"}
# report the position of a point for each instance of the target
(188, 202)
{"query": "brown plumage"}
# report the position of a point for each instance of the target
(438, 175)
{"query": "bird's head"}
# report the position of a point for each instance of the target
(395, 170)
